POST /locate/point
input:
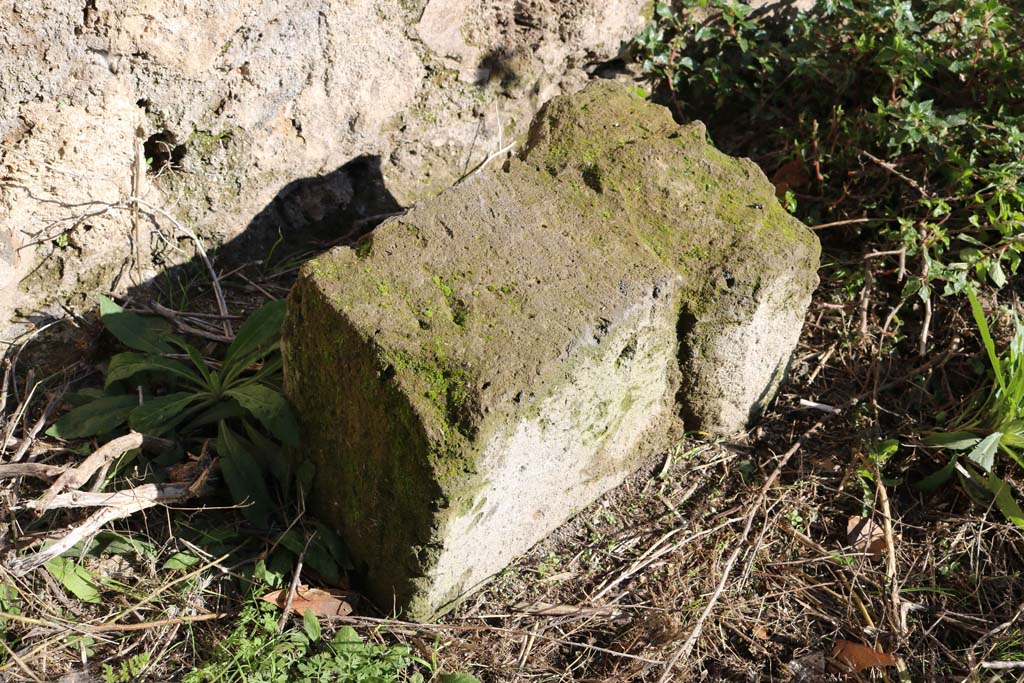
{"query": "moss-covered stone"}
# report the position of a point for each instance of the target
(506, 352)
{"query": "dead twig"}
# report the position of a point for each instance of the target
(20, 662)
(77, 477)
(850, 221)
(175, 318)
(755, 506)
(30, 437)
(294, 585)
(1002, 666)
(31, 469)
(899, 614)
(408, 626)
(145, 625)
(123, 498)
(491, 157)
(698, 628)
(119, 504)
(201, 250)
(893, 170)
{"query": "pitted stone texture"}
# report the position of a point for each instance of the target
(481, 368)
(254, 95)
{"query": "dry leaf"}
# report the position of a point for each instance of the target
(808, 669)
(761, 633)
(850, 657)
(864, 536)
(790, 175)
(331, 603)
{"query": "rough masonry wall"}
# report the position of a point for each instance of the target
(259, 115)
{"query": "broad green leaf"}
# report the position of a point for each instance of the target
(984, 453)
(244, 478)
(128, 364)
(1005, 501)
(258, 335)
(75, 578)
(270, 454)
(311, 625)
(264, 574)
(181, 561)
(335, 546)
(197, 360)
(113, 543)
(101, 416)
(881, 451)
(997, 275)
(347, 639)
(957, 441)
(270, 408)
(160, 415)
(83, 396)
(224, 409)
(458, 678)
(10, 601)
(139, 332)
(939, 477)
(269, 367)
(318, 555)
(986, 336)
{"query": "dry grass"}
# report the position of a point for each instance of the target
(695, 559)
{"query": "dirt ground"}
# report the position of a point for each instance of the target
(729, 560)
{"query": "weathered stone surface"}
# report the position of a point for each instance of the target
(247, 97)
(482, 367)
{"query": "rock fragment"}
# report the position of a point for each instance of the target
(484, 366)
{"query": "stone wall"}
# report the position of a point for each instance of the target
(258, 117)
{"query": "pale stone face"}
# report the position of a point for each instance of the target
(576, 444)
(492, 361)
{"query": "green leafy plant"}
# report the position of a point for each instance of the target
(876, 455)
(246, 384)
(128, 671)
(164, 386)
(258, 651)
(992, 424)
(892, 117)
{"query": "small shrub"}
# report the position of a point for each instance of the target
(992, 424)
(258, 651)
(903, 112)
(164, 386)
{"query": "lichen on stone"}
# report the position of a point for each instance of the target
(529, 334)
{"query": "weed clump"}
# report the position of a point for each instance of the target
(892, 119)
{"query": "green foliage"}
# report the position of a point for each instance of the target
(10, 602)
(876, 456)
(901, 111)
(165, 387)
(75, 578)
(128, 671)
(992, 424)
(258, 651)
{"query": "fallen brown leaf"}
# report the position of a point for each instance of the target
(864, 536)
(790, 175)
(850, 657)
(323, 603)
(761, 633)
